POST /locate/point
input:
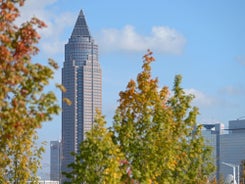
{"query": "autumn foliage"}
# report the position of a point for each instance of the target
(154, 133)
(99, 159)
(23, 103)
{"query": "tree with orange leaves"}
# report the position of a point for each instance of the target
(155, 135)
(158, 133)
(23, 103)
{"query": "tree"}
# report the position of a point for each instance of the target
(155, 138)
(99, 159)
(158, 133)
(242, 166)
(24, 103)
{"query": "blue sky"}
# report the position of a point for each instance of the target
(204, 41)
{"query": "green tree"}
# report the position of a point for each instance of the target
(154, 139)
(242, 166)
(158, 133)
(99, 159)
(24, 102)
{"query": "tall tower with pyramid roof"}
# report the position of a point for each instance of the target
(82, 78)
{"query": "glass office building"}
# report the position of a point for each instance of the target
(82, 78)
(228, 148)
(211, 134)
(55, 165)
(232, 149)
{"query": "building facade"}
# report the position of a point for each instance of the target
(45, 182)
(228, 148)
(211, 134)
(82, 78)
(55, 162)
(232, 149)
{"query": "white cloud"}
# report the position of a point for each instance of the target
(35, 8)
(52, 48)
(162, 40)
(201, 99)
(231, 90)
(52, 37)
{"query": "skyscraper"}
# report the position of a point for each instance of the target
(81, 76)
(55, 152)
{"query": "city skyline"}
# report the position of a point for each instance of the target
(203, 41)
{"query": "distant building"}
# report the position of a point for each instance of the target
(82, 78)
(232, 147)
(211, 133)
(55, 161)
(46, 182)
(228, 144)
(237, 126)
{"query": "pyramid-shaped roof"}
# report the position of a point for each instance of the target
(81, 28)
